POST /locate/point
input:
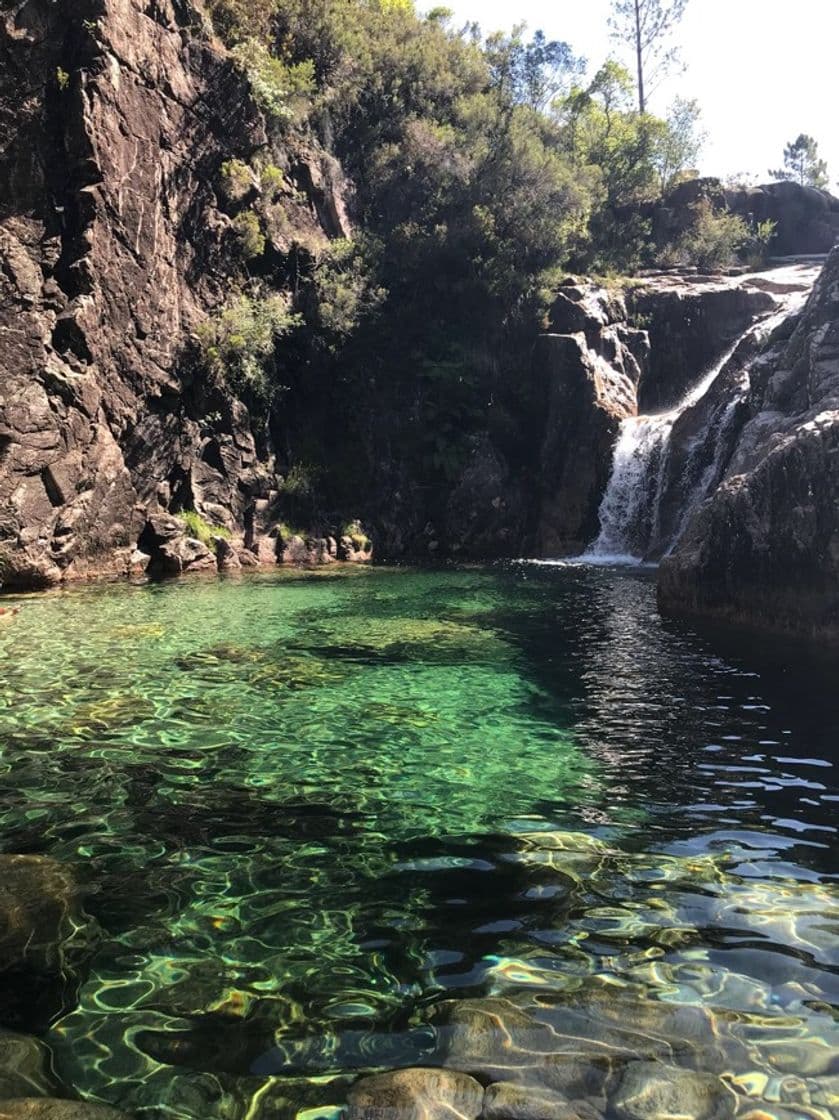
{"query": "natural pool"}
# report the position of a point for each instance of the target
(306, 810)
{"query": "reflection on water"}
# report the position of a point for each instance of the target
(309, 811)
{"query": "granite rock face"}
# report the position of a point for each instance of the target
(117, 116)
(764, 549)
(806, 219)
(589, 368)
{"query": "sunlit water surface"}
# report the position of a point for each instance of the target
(307, 808)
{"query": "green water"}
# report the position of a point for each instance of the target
(307, 808)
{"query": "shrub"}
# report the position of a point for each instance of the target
(62, 78)
(715, 237)
(271, 180)
(249, 235)
(344, 286)
(300, 481)
(278, 87)
(200, 529)
(756, 249)
(236, 179)
(237, 342)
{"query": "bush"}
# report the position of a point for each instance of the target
(249, 236)
(278, 88)
(236, 179)
(344, 286)
(272, 180)
(714, 239)
(238, 342)
(756, 248)
(200, 529)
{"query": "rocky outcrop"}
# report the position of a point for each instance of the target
(588, 368)
(806, 220)
(615, 354)
(115, 243)
(764, 549)
(691, 321)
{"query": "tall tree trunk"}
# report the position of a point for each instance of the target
(642, 101)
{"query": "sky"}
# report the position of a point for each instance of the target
(763, 71)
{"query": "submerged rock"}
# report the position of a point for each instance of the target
(505, 1100)
(416, 1094)
(40, 913)
(24, 1066)
(50, 1108)
(653, 1091)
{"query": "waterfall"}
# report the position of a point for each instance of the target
(631, 528)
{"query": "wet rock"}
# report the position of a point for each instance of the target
(24, 1066)
(355, 545)
(587, 397)
(491, 1038)
(690, 326)
(227, 555)
(654, 1091)
(40, 912)
(416, 1094)
(50, 1108)
(763, 550)
(506, 1100)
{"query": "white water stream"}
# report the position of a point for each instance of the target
(630, 509)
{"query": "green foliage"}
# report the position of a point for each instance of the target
(355, 531)
(344, 284)
(757, 245)
(300, 481)
(272, 180)
(249, 235)
(714, 239)
(280, 89)
(236, 179)
(200, 529)
(602, 133)
(237, 344)
(238, 19)
(62, 79)
(529, 73)
(802, 164)
(678, 145)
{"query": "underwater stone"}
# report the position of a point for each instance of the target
(508, 1101)
(24, 1066)
(49, 1108)
(654, 1091)
(39, 912)
(415, 1094)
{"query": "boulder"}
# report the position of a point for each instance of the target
(690, 327)
(24, 1066)
(415, 1094)
(654, 1091)
(40, 914)
(806, 219)
(505, 1100)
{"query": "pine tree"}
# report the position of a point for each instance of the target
(647, 26)
(802, 164)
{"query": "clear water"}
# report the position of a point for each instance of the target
(307, 808)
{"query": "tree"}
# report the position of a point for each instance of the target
(679, 144)
(647, 26)
(802, 164)
(530, 73)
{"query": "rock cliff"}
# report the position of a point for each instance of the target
(114, 244)
(764, 549)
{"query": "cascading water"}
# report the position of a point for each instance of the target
(630, 512)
